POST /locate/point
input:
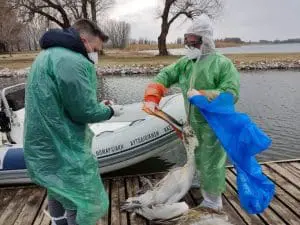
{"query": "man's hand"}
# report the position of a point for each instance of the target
(107, 102)
(118, 110)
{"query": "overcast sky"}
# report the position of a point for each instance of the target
(247, 19)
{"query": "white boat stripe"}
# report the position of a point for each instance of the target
(2, 155)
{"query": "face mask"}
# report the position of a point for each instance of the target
(94, 57)
(193, 53)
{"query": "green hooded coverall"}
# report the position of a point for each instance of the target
(213, 73)
(60, 101)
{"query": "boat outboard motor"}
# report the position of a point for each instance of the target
(4, 123)
(5, 126)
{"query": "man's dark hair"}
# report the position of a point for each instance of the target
(89, 27)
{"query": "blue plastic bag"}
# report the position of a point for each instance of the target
(242, 140)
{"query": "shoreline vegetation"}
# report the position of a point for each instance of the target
(116, 62)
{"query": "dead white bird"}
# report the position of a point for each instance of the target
(175, 184)
(160, 203)
(200, 216)
(180, 214)
(162, 212)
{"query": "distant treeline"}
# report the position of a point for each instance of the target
(292, 40)
(231, 40)
(239, 41)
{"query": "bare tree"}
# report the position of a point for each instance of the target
(100, 9)
(33, 32)
(61, 12)
(118, 32)
(10, 27)
(173, 9)
(80, 8)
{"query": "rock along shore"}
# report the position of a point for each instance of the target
(154, 69)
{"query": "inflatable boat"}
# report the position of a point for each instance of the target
(117, 143)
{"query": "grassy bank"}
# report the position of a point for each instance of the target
(22, 60)
(157, 60)
(141, 47)
(268, 57)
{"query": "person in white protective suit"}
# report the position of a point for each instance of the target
(202, 71)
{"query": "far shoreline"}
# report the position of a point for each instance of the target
(131, 63)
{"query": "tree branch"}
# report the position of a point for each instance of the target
(84, 9)
(189, 8)
(44, 14)
(176, 16)
(60, 9)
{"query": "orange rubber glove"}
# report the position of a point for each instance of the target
(153, 94)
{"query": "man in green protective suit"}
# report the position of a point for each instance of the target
(201, 71)
(61, 100)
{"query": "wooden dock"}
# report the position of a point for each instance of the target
(25, 205)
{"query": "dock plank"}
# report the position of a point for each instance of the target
(105, 219)
(268, 215)
(136, 188)
(285, 214)
(6, 195)
(231, 197)
(233, 216)
(295, 171)
(296, 165)
(285, 173)
(132, 185)
(122, 194)
(288, 201)
(31, 208)
(26, 204)
(42, 218)
(282, 182)
(15, 206)
(115, 202)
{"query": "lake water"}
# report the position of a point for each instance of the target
(270, 48)
(272, 99)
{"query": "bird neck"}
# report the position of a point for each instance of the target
(190, 155)
(190, 163)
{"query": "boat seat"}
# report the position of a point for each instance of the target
(16, 99)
